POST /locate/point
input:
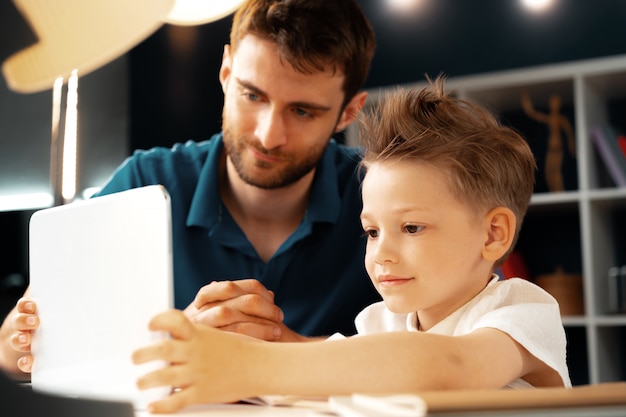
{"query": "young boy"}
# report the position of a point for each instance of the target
(444, 195)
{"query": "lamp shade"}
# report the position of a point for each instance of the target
(78, 34)
(15, 32)
(197, 12)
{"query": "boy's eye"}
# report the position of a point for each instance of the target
(413, 228)
(371, 233)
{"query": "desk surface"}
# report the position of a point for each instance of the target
(254, 410)
(323, 409)
(600, 400)
(240, 410)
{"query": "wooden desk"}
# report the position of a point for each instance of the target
(241, 410)
(269, 411)
(600, 400)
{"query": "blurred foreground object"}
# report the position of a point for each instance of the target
(78, 35)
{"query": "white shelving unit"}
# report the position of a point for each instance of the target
(593, 206)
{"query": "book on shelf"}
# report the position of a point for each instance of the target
(607, 145)
(515, 266)
(621, 141)
(617, 289)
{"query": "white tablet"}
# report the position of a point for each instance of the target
(100, 269)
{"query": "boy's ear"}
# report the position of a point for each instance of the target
(500, 223)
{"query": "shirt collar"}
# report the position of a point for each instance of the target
(206, 204)
(325, 202)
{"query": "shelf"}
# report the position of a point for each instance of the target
(566, 197)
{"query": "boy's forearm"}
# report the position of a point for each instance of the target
(362, 364)
(390, 363)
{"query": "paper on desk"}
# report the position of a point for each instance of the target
(320, 403)
(361, 405)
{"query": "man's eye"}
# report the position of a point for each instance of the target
(413, 228)
(252, 96)
(302, 113)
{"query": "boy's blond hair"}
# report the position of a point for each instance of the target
(487, 165)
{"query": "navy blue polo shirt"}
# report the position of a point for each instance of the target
(318, 274)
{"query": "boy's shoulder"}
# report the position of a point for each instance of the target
(519, 290)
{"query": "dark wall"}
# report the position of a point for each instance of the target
(175, 94)
(462, 37)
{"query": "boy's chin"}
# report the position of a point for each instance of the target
(399, 306)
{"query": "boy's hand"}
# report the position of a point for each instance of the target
(204, 365)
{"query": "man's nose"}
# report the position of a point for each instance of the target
(270, 129)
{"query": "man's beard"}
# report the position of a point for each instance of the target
(294, 171)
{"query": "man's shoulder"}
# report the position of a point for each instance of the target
(181, 164)
(345, 152)
(187, 152)
(346, 159)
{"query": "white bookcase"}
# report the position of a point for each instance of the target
(586, 223)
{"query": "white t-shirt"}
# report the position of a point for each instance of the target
(515, 306)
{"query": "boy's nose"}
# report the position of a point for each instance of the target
(384, 251)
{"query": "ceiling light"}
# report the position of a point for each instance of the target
(197, 12)
(537, 5)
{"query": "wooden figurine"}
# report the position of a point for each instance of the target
(557, 124)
